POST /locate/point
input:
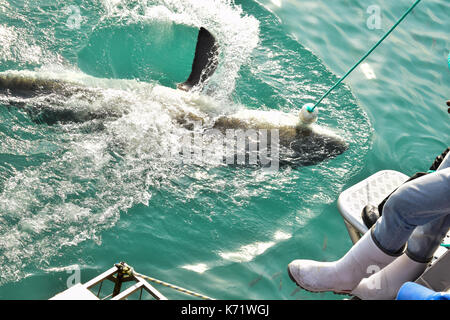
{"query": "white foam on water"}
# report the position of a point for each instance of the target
(16, 45)
(368, 71)
(95, 170)
(199, 268)
(93, 174)
(236, 32)
(281, 235)
(249, 252)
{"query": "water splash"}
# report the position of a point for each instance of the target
(236, 32)
(64, 184)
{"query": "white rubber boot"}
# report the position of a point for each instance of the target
(384, 285)
(341, 276)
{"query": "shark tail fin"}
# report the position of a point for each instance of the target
(205, 60)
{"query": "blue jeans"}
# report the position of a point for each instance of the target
(418, 214)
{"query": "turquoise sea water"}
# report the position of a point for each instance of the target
(74, 194)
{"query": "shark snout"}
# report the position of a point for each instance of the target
(316, 148)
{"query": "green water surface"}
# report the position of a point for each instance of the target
(226, 232)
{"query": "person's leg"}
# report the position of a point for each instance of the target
(409, 207)
(419, 212)
(385, 284)
(416, 203)
(427, 238)
(340, 276)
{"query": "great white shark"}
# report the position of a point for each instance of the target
(308, 144)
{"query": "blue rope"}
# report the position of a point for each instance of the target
(311, 109)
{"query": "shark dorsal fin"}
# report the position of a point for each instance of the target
(205, 60)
